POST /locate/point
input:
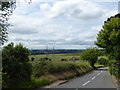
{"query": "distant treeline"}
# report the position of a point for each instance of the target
(36, 52)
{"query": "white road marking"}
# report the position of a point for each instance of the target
(85, 83)
(90, 81)
(93, 77)
(98, 74)
(76, 89)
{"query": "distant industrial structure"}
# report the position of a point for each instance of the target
(54, 51)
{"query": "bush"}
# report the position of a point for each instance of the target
(114, 69)
(40, 68)
(16, 69)
(90, 55)
(103, 61)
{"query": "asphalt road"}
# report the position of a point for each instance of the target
(95, 79)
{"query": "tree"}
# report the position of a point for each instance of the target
(109, 37)
(6, 9)
(90, 55)
(16, 67)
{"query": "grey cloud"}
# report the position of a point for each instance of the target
(21, 31)
(57, 42)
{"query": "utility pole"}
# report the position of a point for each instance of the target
(53, 48)
(53, 51)
(46, 51)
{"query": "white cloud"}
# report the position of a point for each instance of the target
(65, 24)
(78, 9)
(45, 7)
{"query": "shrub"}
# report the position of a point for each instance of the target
(114, 69)
(40, 68)
(90, 55)
(103, 61)
(16, 69)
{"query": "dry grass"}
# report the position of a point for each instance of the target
(60, 71)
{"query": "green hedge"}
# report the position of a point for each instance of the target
(114, 69)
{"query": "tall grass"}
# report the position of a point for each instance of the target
(42, 67)
(38, 82)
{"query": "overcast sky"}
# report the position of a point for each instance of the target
(64, 24)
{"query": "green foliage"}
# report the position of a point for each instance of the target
(102, 60)
(42, 67)
(42, 70)
(6, 9)
(109, 37)
(90, 55)
(114, 69)
(42, 81)
(16, 66)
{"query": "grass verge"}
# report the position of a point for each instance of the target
(47, 72)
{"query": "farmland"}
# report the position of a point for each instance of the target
(57, 57)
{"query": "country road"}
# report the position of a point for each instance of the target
(95, 79)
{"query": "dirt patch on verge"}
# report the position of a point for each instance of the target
(60, 76)
(115, 81)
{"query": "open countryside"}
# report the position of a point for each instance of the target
(61, 44)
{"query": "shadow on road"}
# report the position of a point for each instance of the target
(102, 69)
(78, 89)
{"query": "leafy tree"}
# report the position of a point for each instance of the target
(6, 9)
(16, 67)
(109, 37)
(103, 61)
(90, 55)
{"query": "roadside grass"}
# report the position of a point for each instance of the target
(38, 82)
(0, 78)
(46, 72)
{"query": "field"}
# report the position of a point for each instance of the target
(57, 57)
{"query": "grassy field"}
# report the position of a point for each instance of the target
(57, 57)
